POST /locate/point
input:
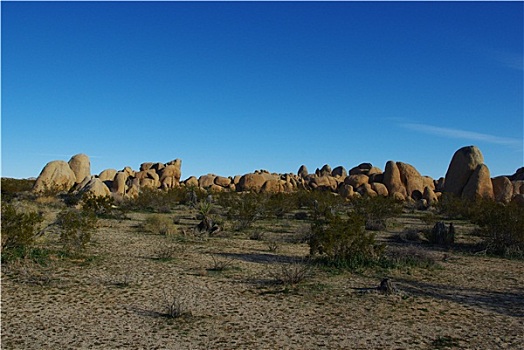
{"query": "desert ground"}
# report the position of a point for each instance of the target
(227, 286)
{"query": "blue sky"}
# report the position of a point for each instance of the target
(233, 87)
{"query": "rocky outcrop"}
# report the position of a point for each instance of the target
(392, 180)
(56, 175)
(410, 178)
(479, 184)
(461, 167)
(96, 187)
(502, 189)
(302, 171)
(81, 166)
(251, 182)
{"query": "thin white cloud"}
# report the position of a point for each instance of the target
(509, 59)
(463, 134)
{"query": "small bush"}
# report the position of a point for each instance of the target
(220, 264)
(12, 188)
(293, 273)
(344, 242)
(376, 210)
(101, 206)
(244, 209)
(502, 226)
(159, 224)
(76, 227)
(18, 229)
(175, 305)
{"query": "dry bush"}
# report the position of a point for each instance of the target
(175, 304)
(159, 224)
(220, 264)
(292, 273)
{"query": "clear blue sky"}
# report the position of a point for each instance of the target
(234, 87)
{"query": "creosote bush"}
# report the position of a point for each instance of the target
(19, 230)
(159, 224)
(344, 242)
(244, 209)
(76, 227)
(376, 210)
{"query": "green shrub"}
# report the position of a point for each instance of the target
(102, 206)
(18, 229)
(502, 226)
(156, 201)
(159, 224)
(376, 210)
(244, 209)
(344, 242)
(279, 204)
(11, 188)
(75, 227)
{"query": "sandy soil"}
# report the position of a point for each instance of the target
(115, 299)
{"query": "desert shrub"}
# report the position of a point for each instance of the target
(320, 203)
(75, 227)
(410, 256)
(220, 264)
(279, 204)
(292, 273)
(11, 188)
(440, 234)
(156, 201)
(344, 242)
(453, 207)
(175, 304)
(158, 224)
(101, 206)
(502, 226)
(376, 210)
(244, 209)
(19, 230)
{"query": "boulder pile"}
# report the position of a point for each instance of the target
(467, 177)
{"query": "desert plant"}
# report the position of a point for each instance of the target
(502, 226)
(18, 229)
(101, 206)
(244, 209)
(165, 253)
(175, 305)
(158, 224)
(292, 273)
(220, 264)
(75, 227)
(344, 242)
(376, 210)
(12, 188)
(442, 235)
(273, 246)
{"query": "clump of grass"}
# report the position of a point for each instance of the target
(293, 273)
(175, 304)
(220, 264)
(273, 246)
(410, 256)
(159, 224)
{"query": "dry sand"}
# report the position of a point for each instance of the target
(116, 300)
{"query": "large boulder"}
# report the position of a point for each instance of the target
(356, 180)
(411, 178)
(107, 175)
(251, 182)
(339, 171)
(81, 166)
(324, 171)
(363, 168)
(327, 183)
(96, 187)
(461, 167)
(119, 183)
(380, 189)
(392, 180)
(169, 176)
(502, 189)
(302, 171)
(273, 186)
(222, 181)
(206, 181)
(479, 184)
(56, 175)
(191, 181)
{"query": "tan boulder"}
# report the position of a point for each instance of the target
(236, 179)
(366, 190)
(222, 181)
(324, 171)
(169, 176)
(346, 191)
(191, 181)
(56, 175)
(81, 166)
(479, 184)
(339, 171)
(518, 187)
(362, 168)
(216, 188)
(356, 180)
(502, 189)
(430, 196)
(251, 182)
(107, 175)
(411, 178)
(392, 179)
(96, 187)
(146, 166)
(374, 171)
(206, 181)
(119, 183)
(428, 182)
(324, 183)
(273, 186)
(398, 196)
(302, 171)
(380, 189)
(129, 171)
(464, 162)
